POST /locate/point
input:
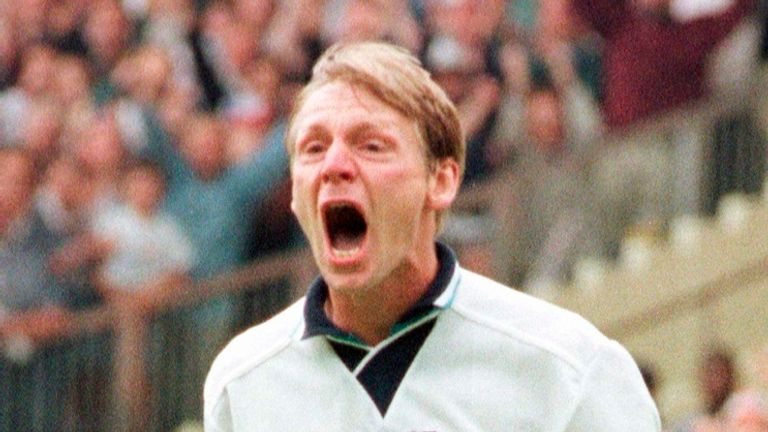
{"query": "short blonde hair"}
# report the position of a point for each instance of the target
(397, 78)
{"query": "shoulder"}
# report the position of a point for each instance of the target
(252, 348)
(523, 319)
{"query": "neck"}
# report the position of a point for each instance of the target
(370, 313)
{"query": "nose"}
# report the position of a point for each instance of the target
(338, 163)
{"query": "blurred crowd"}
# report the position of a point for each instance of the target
(141, 140)
(728, 404)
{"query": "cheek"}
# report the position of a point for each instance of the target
(402, 201)
(302, 202)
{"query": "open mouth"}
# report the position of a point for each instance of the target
(346, 228)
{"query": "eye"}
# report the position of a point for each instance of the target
(312, 147)
(374, 146)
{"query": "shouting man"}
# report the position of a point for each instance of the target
(394, 335)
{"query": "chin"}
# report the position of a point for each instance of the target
(345, 282)
(355, 278)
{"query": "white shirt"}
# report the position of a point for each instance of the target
(144, 248)
(496, 360)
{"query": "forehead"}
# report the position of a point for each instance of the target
(338, 104)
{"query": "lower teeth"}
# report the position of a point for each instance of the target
(345, 253)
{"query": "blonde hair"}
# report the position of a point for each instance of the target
(397, 78)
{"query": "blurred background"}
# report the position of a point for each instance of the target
(616, 166)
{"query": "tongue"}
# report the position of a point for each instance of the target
(346, 241)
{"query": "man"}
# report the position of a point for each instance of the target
(553, 208)
(652, 62)
(33, 305)
(214, 203)
(395, 335)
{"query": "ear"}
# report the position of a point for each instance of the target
(444, 181)
(293, 194)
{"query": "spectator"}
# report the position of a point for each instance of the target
(718, 381)
(172, 112)
(145, 77)
(461, 54)
(72, 81)
(100, 153)
(473, 23)
(143, 74)
(82, 186)
(64, 201)
(294, 36)
(349, 20)
(33, 312)
(64, 26)
(34, 83)
(746, 411)
(27, 283)
(255, 14)
(552, 198)
(63, 196)
(212, 200)
(250, 113)
(72, 92)
(653, 63)
(581, 116)
(515, 66)
(40, 129)
(226, 48)
(547, 127)
(148, 254)
(565, 47)
(169, 25)
(215, 203)
(146, 264)
(107, 33)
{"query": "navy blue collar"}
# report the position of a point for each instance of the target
(318, 323)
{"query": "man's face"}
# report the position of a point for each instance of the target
(362, 21)
(203, 148)
(361, 188)
(544, 122)
(101, 150)
(144, 189)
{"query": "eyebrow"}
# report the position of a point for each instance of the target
(311, 131)
(355, 132)
(365, 128)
